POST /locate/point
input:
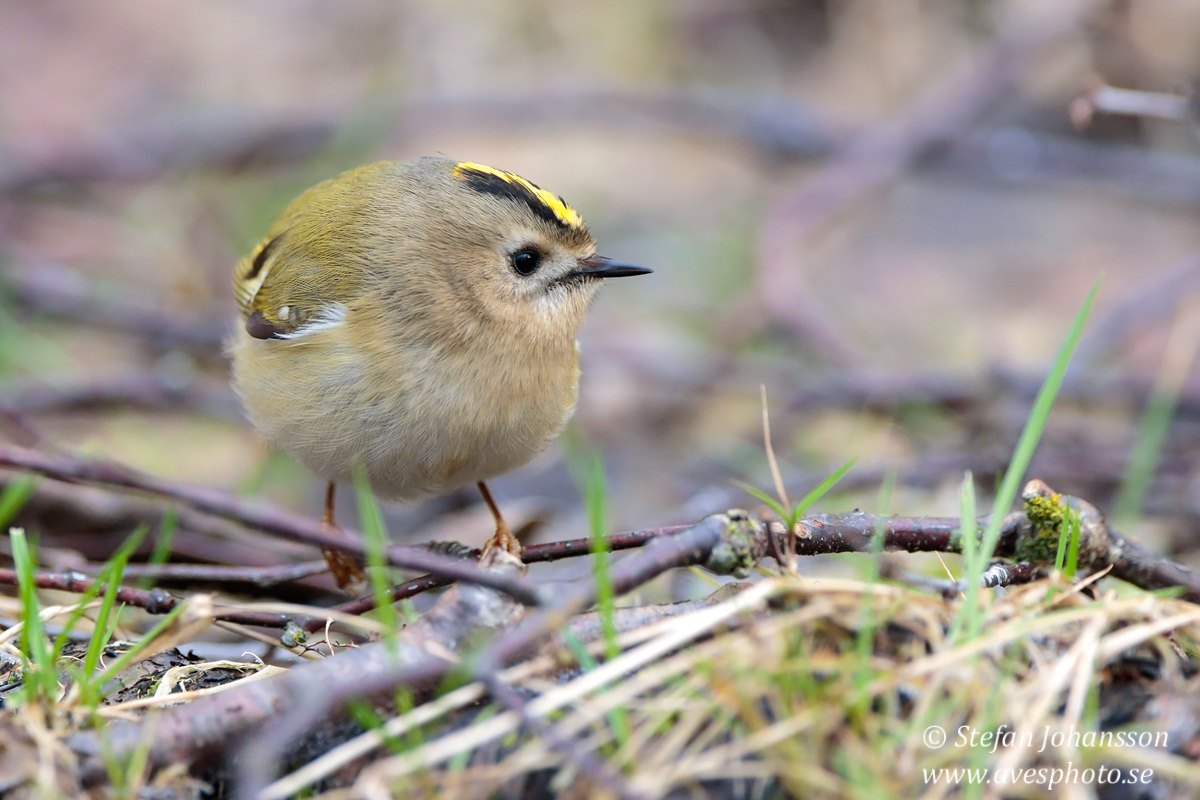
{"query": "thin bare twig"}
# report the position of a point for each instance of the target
(1001, 574)
(93, 520)
(998, 574)
(209, 573)
(259, 517)
(154, 601)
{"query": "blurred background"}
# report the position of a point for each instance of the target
(880, 210)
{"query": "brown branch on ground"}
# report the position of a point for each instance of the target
(92, 521)
(829, 534)
(1001, 574)
(154, 601)
(1029, 536)
(823, 534)
(258, 517)
(209, 573)
(1100, 545)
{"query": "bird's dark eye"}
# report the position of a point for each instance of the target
(527, 261)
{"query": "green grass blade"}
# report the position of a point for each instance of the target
(819, 491)
(40, 679)
(377, 540)
(595, 496)
(587, 468)
(114, 570)
(1032, 433)
(101, 629)
(1074, 524)
(617, 719)
(96, 682)
(969, 617)
(1151, 435)
(14, 497)
(598, 525)
(759, 494)
(1060, 555)
(868, 624)
(162, 546)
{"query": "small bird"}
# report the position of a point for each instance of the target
(416, 320)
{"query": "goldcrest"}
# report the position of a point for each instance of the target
(416, 320)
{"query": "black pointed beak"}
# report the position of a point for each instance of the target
(601, 267)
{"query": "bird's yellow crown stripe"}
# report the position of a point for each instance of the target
(561, 211)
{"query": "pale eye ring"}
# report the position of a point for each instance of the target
(526, 261)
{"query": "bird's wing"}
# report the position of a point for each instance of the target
(301, 276)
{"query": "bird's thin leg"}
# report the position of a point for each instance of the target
(330, 518)
(346, 569)
(503, 538)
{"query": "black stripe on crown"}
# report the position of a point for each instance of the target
(489, 183)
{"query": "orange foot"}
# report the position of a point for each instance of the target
(502, 540)
(347, 570)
